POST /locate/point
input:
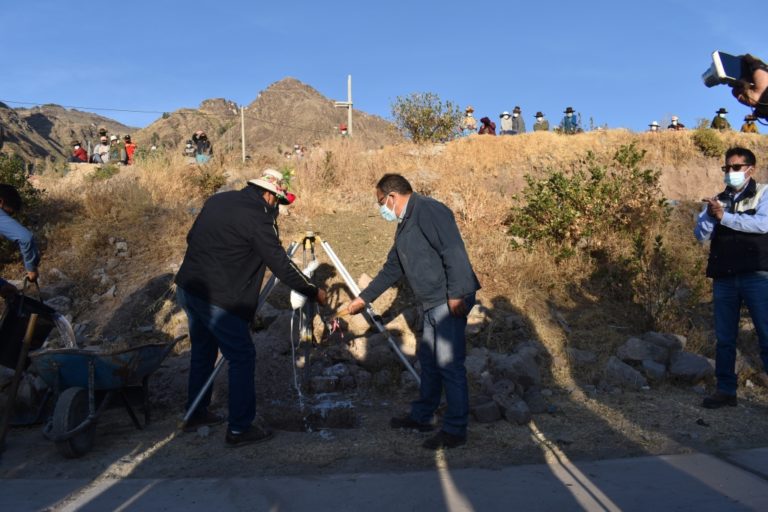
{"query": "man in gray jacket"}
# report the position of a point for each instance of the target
(430, 253)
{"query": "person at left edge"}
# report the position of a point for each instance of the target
(10, 203)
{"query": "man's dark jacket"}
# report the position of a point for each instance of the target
(429, 251)
(230, 245)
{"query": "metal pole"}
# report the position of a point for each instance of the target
(273, 280)
(242, 130)
(369, 312)
(349, 108)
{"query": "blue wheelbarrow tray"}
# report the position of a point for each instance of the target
(69, 367)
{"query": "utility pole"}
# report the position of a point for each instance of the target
(347, 104)
(242, 130)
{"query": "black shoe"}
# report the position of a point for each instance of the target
(208, 419)
(718, 400)
(255, 434)
(444, 440)
(410, 423)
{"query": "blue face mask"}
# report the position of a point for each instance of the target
(735, 179)
(387, 214)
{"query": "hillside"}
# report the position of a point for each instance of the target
(113, 245)
(288, 112)
(59, 126)
(17, 136)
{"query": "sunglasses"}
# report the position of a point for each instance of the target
(734, 167)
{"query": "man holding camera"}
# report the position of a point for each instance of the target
(754, 91)
(736, 222)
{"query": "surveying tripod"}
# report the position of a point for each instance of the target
(305, 330)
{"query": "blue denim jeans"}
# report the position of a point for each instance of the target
(211, 329)
(441, 353)
(729, 293)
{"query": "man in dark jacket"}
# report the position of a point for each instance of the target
(736, 221)
(230, 245)
(430, 253)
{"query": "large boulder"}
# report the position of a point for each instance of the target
(621, 374)
(520, 368)
(636, 350)
(671, 342)
(690, 367)
(579, 357)
(513, 408)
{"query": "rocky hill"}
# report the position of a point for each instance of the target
(288, 112)
(18, 136)
(60, 126)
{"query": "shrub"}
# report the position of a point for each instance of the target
(709, 142)
(104, 172)
(207, 180)
(568, 209)
(423, 117)
(13, 171)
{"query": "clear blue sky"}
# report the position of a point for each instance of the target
(620, 63)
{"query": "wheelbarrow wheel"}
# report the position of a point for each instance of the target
(72, 410)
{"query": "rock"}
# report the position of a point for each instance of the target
(338, 370)
(479, 352)
(635, 350)
(518, 368)
(530, 348)
(513, 408)
(323, 384)
(39, 384)
(653, 370)
(408, 381)
(112, 292)
(26, 395)
(6, 376)
(347, 382)
(372, 353)
(536, 401)
(671, 342)
(121, 246)
(487, 412)
(477, 319)
(690, 367)
(204, 431)
(699, 389)
(513, 321)
(61, 304)
(400, 329)
(589, 390)
(146, 328)
(504, 387)
(621, 374)
(546, 392)
(581, 357)
(382, 379)
(475, 365)
(362, 377)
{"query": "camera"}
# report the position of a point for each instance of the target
(725, 69)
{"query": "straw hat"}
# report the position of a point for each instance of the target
(273, 181)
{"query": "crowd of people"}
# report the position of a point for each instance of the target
(110, 149)
(514, 124)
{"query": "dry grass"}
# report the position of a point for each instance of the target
(151, 205)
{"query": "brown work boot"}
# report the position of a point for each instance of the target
(718, 400)
(255, 434)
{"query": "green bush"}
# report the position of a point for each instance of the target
(104, 172)
(423, 117)
(567, 209)
(207, 181)
(709, 142)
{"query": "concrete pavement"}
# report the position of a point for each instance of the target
(696, 482)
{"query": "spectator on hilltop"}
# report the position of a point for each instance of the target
(469, 123)
(488, 127)
(518, 125)
(117, 152)
(506, 124)
(100, 153)
(749, 125)
(569, 124)
(719, 122)
(676, 125)
(653, 127)
(79, 155)
(541, 124)
(204, 148)
(130, 149)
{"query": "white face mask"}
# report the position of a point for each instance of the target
(735, 179)
(539, 119)
(515, 114)
(568, 114)
(77, 147)
(721, 115)
(674, 122)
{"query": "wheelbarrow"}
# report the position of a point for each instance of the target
(85, 382)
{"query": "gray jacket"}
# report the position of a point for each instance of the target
(429, 251)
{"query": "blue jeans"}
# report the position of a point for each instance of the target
(211, 329)
(729, 293)
(441, 352)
